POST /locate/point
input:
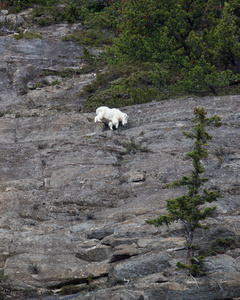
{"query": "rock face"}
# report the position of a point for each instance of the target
(75, 195)
(25, 59)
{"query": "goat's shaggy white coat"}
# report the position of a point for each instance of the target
(113, 115)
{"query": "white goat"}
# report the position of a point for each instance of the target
(113, 115)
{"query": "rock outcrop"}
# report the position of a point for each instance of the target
(75, 195)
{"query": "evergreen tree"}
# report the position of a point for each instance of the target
(187, 209)
(196, 42)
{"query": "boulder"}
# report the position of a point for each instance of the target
(139, 266)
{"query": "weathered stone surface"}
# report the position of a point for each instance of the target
(3, 12)
(114, 241)
(223, 263)
(186, 288)
(139, 266)
(124, 251)
(42, 55)
(96, 253)
(16, 20)
(64, 210)
(100, 233)
(51, 270)
(22, 76)
(137, 176)
(112, 294)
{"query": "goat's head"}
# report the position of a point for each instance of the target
(124, 119)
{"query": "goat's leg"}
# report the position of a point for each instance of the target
(110, 124)
(99, 117)
(96, 119)
(115, 122)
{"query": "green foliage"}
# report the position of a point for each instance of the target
(195, 42)
(17, 115)
(89, 37)
(101, 14)
(15, 6)
(63, 73)
(47, 12)
(28, 35)
(99, 93)
(187, 209)
(89, 279)
(189, 47)
(221, 245)
(121, 86)
(194, 268)
(203, 77)
(74, 11)
(48, 15)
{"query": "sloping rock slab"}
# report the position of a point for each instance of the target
(139, 266)
(52, 270)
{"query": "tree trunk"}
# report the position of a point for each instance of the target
(190, 251)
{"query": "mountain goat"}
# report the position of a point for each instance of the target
(113, 115)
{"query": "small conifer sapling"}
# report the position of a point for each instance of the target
(188, 209)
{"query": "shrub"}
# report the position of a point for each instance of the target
(16, 6)
(89, 37)
(221, 245)
(121, 86)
